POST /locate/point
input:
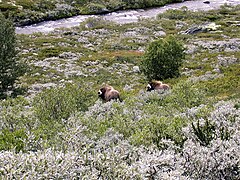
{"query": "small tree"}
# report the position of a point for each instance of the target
(163, 59)
(10, 67)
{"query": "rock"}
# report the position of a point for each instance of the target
(63, 44)
(74, 73)
(69, 55)
(206, 2)
(211, 26)
(91, 63)
(226, 61)
(130, 34)
(136, 69)
(127, 87)
(202, 28)
(191, 49)
(231, 45)
(159, 33)
(217, 70)
(40, 87)
(180, 24)
(193, 30)
(83, 40)
(25, 51)
(206, 77)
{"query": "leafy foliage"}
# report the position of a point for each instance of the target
(10, 67)
(163, 59)
(204, 133)
(12, 140)
(57, 104)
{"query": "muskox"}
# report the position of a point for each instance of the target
(107, 93)
(157, 85)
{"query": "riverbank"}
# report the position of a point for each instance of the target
(27, 12)
(122, 17)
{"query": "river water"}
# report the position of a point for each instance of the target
(126, 16)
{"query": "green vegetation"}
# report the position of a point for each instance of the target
(60, 129)
(10, 66)
(57, 104)
(163, 58)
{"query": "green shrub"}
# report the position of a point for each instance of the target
(10, 67)
(12, 140)
(95, 23)
(14, 115)
(163, 59)
(94, 8)
(204, 133)
(50, 52)
(7, 7)
(176, 14)
(57, 104)
(186, 95)
(53, 107)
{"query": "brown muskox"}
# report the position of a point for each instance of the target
(108, 93)
(157, 85)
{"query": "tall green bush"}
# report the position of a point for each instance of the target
(10, 68)
(54, 106)
(57, 104)
(163, 59)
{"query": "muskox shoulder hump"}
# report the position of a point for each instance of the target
(108, 93)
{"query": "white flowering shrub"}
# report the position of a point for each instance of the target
(220, 159)
(80, 153)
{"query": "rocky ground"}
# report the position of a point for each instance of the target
(102, 47)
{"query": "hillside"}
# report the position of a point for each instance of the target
(57, 128)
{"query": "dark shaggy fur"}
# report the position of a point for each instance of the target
(157, 85)
(107, 93)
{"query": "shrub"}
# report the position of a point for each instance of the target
(204, 133)
(163, 59)
(95, 23)
(15, 114)
(183, 13)
(10, 67)
(53, 107)
(12, 140)
(94, 8)
(59, 103)
(220, 158)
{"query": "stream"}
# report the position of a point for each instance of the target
(126, 16)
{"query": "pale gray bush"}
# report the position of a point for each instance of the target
(81, 153)
(221, 158)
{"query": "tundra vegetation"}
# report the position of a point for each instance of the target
(59, 129)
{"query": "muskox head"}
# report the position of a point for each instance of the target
(157, 85)
(102, 92)
(153, 85)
